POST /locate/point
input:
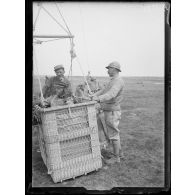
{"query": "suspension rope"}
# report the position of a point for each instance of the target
(63, 18)
(71, 44)
(71, 71)
(35, 62)
(54, 19)
(71, 40)
(34, 25)
(73, 55)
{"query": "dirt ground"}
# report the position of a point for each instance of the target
(142, 139)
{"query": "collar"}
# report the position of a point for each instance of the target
(114, 77)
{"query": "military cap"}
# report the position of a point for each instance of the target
(115, 65)
(58, 67)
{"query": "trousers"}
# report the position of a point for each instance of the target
(112, 120)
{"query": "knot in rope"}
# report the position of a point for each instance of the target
(72, 51)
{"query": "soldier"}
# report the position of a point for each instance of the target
(57, 85)
(110, 98)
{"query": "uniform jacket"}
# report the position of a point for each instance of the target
(56, 86)
(111, 96)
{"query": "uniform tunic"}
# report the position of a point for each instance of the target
(110, 98)
(57, 86)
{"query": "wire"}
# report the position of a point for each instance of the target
(63, 18)
(35, 62)
(34, 25)
(54, 19)
(71, 39)
(71, 42)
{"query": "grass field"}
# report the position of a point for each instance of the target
(142, 139)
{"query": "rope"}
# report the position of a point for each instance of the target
(70, 72)
(54, 19)
(36, 19)
(71, 40)
(35, 62)
(84, 75)
(63, 18)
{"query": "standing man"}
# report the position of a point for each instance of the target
(58, 85)
(110, 98)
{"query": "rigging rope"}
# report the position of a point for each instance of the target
(72, 52)
(71, 40)
(73, 55)
(35, 62)
(34, 25)
(54, 19)
(63, 18)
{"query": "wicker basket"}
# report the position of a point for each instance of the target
(69, 141)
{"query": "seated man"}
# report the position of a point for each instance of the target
(57, 86)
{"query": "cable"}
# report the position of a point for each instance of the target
(63, 18)
(71, 40)
(35, 62)
(36, 19)
(54, 19)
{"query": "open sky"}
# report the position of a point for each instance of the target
(130, 33)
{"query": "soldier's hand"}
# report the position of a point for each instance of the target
(90, 95)
(37, 108)
(95, 98)
(45, 103)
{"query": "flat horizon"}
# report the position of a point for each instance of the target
(103, 76)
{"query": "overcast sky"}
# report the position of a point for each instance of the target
(130, 33)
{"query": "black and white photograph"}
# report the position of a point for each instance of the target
(100, 104)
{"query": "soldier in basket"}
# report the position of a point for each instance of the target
(57, 86)
(110, 98)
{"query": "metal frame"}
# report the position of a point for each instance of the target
(53, 36)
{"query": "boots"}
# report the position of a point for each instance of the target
(113, 160)
(116, 149)
(121, 155)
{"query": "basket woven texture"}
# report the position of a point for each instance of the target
(69, 141)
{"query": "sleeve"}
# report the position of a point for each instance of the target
(46, 87)
(112, 92)
(99, 92)
(68, 86)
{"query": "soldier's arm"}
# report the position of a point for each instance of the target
(46, 87)
(98, 92)
(69, 87)
(112, 92)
